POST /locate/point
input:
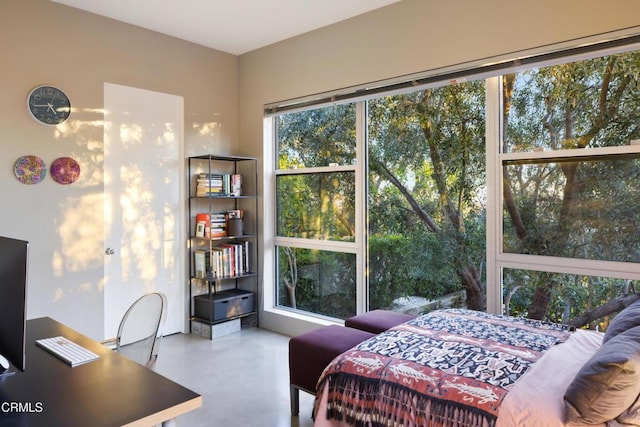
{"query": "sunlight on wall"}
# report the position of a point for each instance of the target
(78, 220)
(81, 239)
(79, 227)
(208, 129)
(170, 237)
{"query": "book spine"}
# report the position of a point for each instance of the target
(218, 185)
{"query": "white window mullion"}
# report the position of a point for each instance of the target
(269, 215)
(493, 102)
(361, 208)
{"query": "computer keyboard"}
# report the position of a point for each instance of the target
(72, 353)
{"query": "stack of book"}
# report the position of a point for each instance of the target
(218, 224)
(211, 225)
(212, 184)
(229, 260)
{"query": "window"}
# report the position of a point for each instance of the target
(515, 193)
(316, 281)
(574, 208)
(426, 198)
(316, 205)
(316, 211)
(571, 187)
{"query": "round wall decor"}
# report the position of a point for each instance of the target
(65, 170)
(30, 169)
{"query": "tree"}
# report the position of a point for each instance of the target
(572, 208)
(426, 199)
(433, 140)
(316, 205)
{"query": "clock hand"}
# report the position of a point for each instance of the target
(51, 108)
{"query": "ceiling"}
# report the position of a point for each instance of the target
(233, 26)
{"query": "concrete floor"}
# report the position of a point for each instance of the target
(242, 377)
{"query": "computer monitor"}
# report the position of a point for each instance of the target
(14, 255)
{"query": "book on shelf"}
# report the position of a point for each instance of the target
(246, 255)
(218, 185)
(218, 224)
(235, 186)
(201, 262)
(218, 231)
(211, 224)
(230, 259)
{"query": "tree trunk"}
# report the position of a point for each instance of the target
(468, 273)
(291, 292)
(540, 301)
(292, 282)
(475, 289)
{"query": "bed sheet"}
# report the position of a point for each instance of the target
(536, 399)
(453, 365)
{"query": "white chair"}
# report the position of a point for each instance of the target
(141, 329)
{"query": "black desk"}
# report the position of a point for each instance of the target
(111, 391)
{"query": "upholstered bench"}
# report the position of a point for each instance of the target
(311, 352)
(377, 321)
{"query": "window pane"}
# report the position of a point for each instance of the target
(316, 206)
(426, 200)
(590, 103)
(575, 209)
(571, 296)
(316, 281)
(316, 138)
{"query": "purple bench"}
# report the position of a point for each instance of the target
(311, 352)
(377, 321)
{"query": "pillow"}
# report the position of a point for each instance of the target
(626, 319)
(631, 416)
(608, 384)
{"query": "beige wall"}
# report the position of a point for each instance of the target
(47, 43)
(44, 42)
(405, 38)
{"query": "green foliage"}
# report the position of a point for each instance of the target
(314, 138)
(431, 144)
(572, 295)
(325, 281)
(402, 266)
(427, 188)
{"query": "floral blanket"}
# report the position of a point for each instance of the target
(447, 368)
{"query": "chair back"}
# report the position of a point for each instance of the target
(140, 330)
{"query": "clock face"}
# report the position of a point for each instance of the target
(49, 105)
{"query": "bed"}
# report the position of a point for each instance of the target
(465, 368)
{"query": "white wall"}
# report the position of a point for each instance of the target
(405, 38)
(45, 42)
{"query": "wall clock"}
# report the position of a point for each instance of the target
(49, 105)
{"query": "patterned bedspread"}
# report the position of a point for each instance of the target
(447, 368)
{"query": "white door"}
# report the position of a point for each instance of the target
(144, 199)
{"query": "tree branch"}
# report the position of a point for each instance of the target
(610, 307)
(424, 215)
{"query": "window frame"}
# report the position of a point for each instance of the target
(501, 260)
(497, 259)
(355, 247)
